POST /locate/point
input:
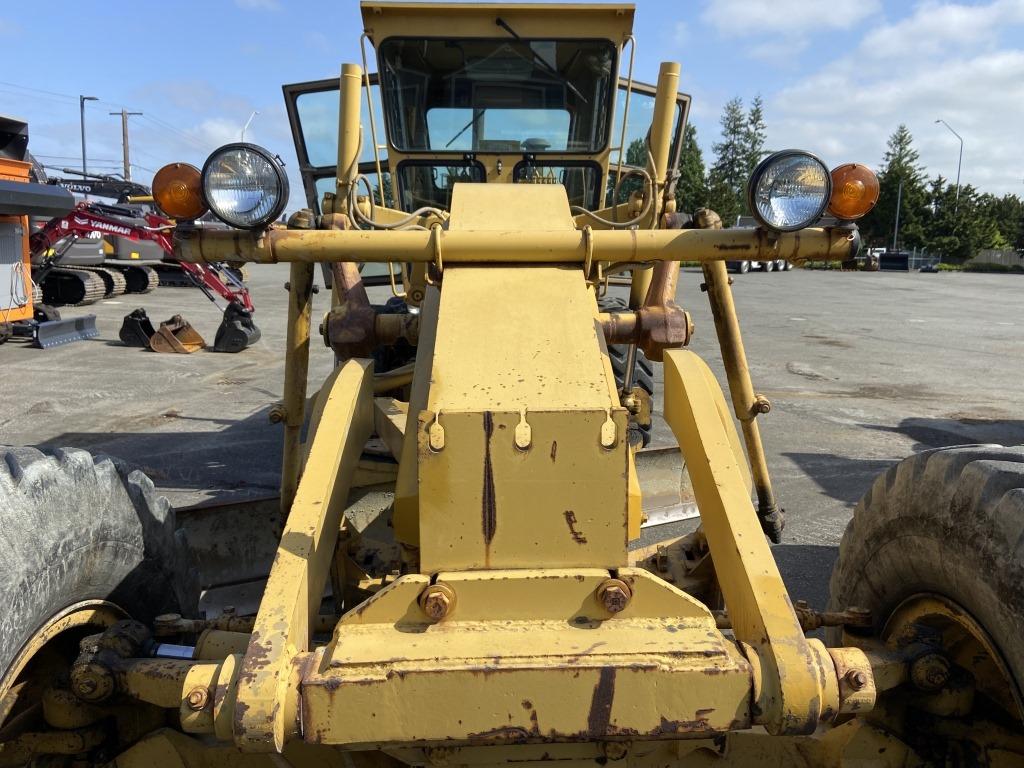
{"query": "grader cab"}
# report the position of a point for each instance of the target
(475, 596)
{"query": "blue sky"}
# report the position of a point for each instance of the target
(836, 77)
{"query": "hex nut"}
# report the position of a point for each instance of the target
(614, 595)
(197, 698)
(930, 672)
(857, 679)
(437, 601)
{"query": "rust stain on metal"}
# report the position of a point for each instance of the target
(570, 520)
(601, 703)
(509, 734)
(554, 449)
(256, 658)
(490, 519)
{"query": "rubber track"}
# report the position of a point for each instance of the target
(152, 278)
(93, 286)
(172, 276)
(113, 281)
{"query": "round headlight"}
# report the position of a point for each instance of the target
(244, 185)
(789, 190)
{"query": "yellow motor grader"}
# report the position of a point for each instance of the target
(472, 597)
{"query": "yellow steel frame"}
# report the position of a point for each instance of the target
(517, 554)
(267, 700)
(482, 492)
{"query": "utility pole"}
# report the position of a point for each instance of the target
(899, 199)
(124, 140)
(81, 119)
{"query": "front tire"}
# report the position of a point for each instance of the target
(75, 529)
(946, 526)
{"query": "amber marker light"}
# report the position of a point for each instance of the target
(177, 190)
(854, 191)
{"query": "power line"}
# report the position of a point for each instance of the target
(168, 127)
(160, 123)
(39, 90)
(102, 161)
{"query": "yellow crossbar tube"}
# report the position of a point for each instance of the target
(546, 247)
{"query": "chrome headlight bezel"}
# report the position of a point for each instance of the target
(758, 175)
(280, 186)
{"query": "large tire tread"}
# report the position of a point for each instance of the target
(948, 521)
(73, 528)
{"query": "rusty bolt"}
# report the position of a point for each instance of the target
(416, 294)
(614, 595)
(85, 688)
(197, 698)
(437, 601)
(615, 750)
(857, 679)
(277, 414)
(288, 286)
(761, 404)
(930, 672)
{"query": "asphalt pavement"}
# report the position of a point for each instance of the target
(862, 369)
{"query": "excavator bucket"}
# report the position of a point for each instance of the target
(176, 335)
(237, 330)
(137, 329)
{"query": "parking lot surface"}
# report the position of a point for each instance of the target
(862, 369)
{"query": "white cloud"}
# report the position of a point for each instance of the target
(10, 28)
(943, 28)
(789, 18)
(259, 5)
(680, 32)
(216, 131)
(942, 61)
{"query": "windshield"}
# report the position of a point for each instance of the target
(500, 95)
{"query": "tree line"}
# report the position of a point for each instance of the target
(933, 216)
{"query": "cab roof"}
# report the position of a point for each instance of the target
(602, 21)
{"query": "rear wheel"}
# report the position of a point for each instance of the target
(935, 551)
(84, 542)
(768, 266)
(743, 268)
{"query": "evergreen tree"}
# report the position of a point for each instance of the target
(728, 176)
(636, 155)
(754, 135)
(900, 167)
(692, 187)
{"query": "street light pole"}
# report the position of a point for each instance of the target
(956, 200)
(81, 120)
(247, 124)
(896, 228)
